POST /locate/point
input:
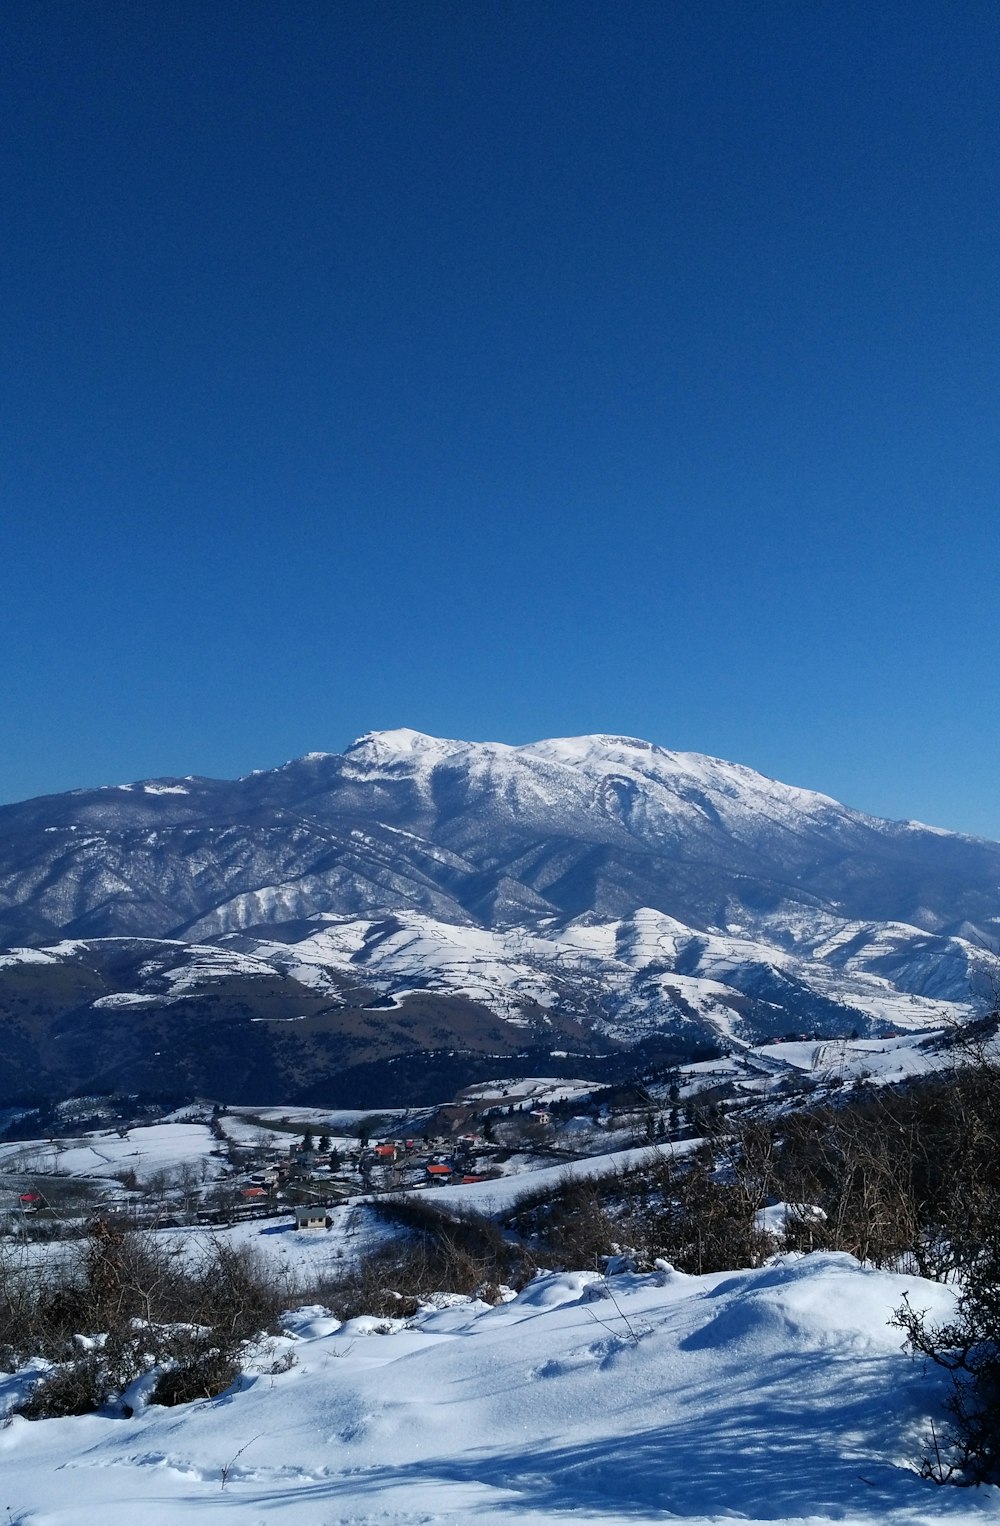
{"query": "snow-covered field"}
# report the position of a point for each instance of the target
(301, 1257)
(155, 1147)
(880, 1061)
(779, 1395)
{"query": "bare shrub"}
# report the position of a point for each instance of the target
(968, 1348)
(694, 1212)
(958, 1169)
(904, 1177)
(146, 1311)
(573, 1225)
(442, 1253)
(74, 1389)
(203, 1375)
(236, 1294)
(117, 1280)
(19, 1299)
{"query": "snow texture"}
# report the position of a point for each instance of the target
(779, 1396)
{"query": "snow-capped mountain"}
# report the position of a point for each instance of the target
(597, 881)
(477, 833)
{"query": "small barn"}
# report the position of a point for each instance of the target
(308, 1216)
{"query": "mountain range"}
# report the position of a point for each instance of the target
(415, 896)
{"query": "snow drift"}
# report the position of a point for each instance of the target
(775, 1395)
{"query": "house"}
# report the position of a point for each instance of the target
(309, 1216)
(438, 1171)
(385, 1152)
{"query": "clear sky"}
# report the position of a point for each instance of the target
(503, 370)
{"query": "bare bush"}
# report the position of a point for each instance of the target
(137, 1309)
(441, 1253)
(236, 1293)
(204, 1374)
(968, 1348)
(696, 1213)
(903, 1178)
(74, 1389)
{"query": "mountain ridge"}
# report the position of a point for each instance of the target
(489, 832)
(598, 885)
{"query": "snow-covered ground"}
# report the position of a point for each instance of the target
(879, 1061)
(301, 1257)
(540, 1090)
(156, 1147)
(493, 1197)
(780, 1395)
(326, 1120)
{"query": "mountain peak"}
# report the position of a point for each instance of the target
(402, 744)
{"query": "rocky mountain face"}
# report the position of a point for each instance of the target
(415, 895)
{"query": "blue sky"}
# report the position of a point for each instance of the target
(503, 370)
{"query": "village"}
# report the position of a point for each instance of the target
(211, 1166)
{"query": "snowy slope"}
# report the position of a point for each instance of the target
(247, 1016)
(155, 1147)
(779, 1395)
(649, 972)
